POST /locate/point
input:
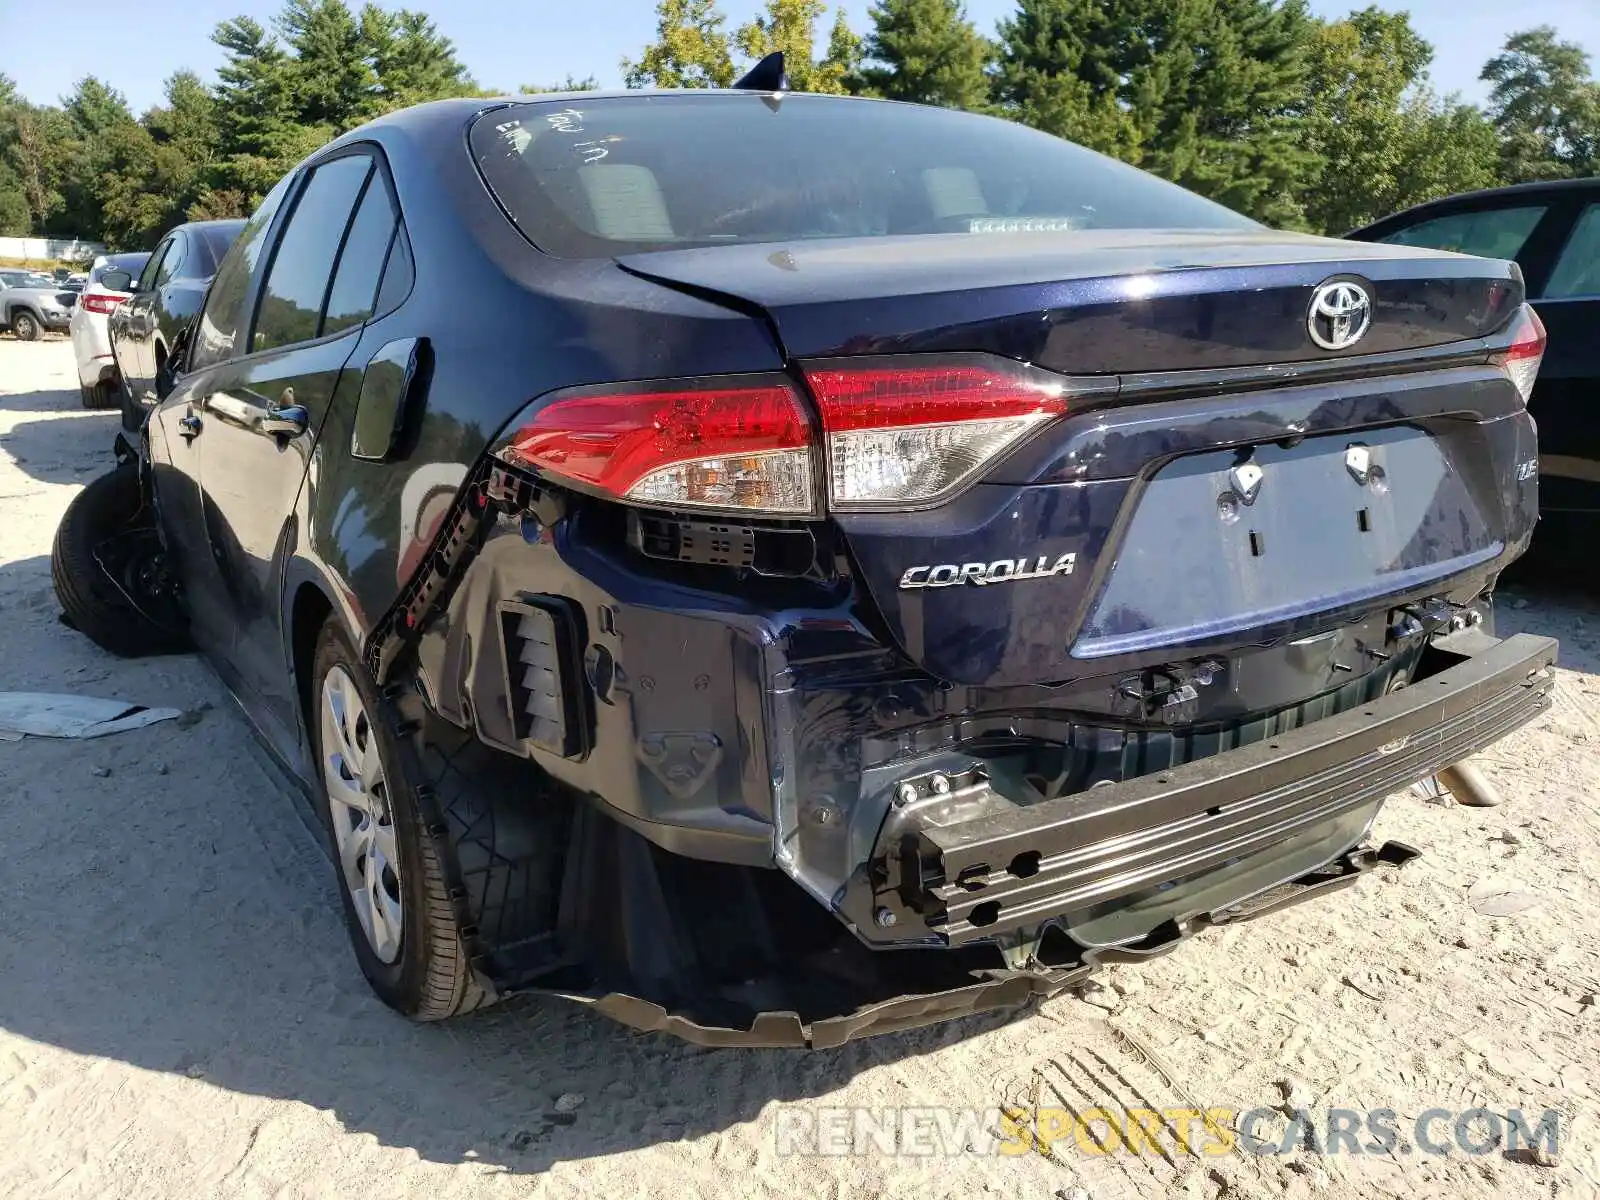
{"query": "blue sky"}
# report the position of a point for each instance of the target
(134, 46)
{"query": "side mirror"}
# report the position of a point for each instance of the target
(117, 281)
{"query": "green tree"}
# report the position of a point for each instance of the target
(1451, 147)
(96, 115)
(1383, 140)
(1203, 92)
(185, 136)
(258, 126)
(587, 84)
(1545, 107)
(40, 139)
(790, 26)
(925, 51)
(411, 60)
(691, 50)
(16, 218)
(330, 78)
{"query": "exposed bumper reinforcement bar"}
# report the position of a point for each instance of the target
(1028, 865)
(998, 990)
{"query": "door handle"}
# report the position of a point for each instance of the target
(290, 420)
(189, 427)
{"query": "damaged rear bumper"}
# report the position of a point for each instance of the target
(997, 991)
(1014, 867)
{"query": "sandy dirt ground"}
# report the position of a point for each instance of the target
(180, 1015)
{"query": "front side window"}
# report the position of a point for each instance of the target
(1488, 232)
(302, 265)
(1577, 271)
(223, 318)
(597, 178)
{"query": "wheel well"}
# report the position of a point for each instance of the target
(311, 608)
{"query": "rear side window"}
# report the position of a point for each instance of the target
(596, 178)
(355, 281)
(302, 265)
(223, 318)
(1577, 271)
(1489, 232)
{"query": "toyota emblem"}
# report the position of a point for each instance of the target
(1340, 314)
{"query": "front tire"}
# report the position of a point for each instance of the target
(24, 327)
(108, 571)
(397, 907)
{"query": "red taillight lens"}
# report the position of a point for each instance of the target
(900, 433)
(101, 302)
(733, 446)
(1520, 361)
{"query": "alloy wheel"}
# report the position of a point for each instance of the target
(363, 822)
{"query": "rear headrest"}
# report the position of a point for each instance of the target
(626, 202)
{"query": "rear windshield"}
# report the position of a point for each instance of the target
(600, 177)
(214, 241)
(132, 263)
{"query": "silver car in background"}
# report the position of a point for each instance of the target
(31, 304)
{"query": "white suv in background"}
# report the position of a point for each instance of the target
(97, 370)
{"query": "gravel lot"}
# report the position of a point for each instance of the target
(180, 1015)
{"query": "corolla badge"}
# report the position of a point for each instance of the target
(1002, 570)
(1340, 313)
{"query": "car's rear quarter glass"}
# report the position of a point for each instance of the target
(600, 177)
(355, 281)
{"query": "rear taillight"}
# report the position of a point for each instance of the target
(101, 302)
(1520, 361)
(742, 446)
(912, 434)
(896, 433)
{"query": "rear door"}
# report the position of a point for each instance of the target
(261, 412)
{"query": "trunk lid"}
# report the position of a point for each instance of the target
(1092, 302)
(1138, 533)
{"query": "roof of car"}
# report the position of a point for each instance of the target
(228, 223)
(468, 106)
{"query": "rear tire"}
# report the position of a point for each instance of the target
(93, 602)
(97, 396)
(386, 864)
(24, 327)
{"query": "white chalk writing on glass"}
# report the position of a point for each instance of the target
(568, 120)
(592, 152)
